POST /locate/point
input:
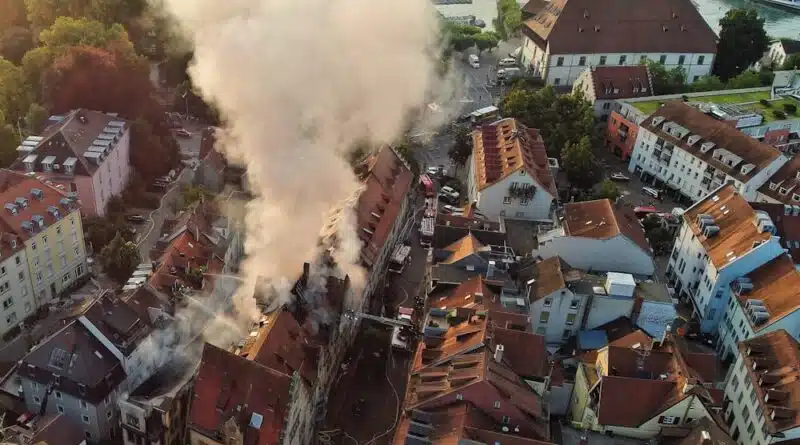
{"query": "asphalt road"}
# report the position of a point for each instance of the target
(632, 189)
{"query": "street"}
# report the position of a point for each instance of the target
(632, 190)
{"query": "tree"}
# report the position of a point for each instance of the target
(660, 240)
(14, 93)
(12, 13)
(792, 62)
(561, 119)
(67, 31)
(742, 42)
(747, 79)
(191, 194)
(35, 118)
(667, 81)
(15, 42)
(460, 37)
(487, 40)
(461, 149)
(34, 64)
(579, 163)
(43, 13)
(8, 144)
(120, 258)
(509, 18)
(707, 83)
(608, 190)
(100, 231)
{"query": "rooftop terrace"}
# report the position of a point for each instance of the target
(747, 100)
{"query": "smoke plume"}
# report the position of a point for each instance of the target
(299, 83)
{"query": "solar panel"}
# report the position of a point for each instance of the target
(92, 154)
(95, 148)
(119, 124)
(106, 136)
(102, 143)
(30, 143)
(34, 138)
(112, 130)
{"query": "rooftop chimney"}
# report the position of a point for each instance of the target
(498, 353)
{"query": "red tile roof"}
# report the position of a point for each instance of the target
(775, 284)
(621, 26)
(600, 219)
(16, 190)
(285, 346)
(506, 147)
(229, 387)
(621, 82)
(385, 189)
(618, 408)
(524, 352)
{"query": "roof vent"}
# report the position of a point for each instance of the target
(706, 147)
(256, 420)
(83, 119)
(65, 202)
(657, 121)
(37, 193)
(704, 219)
(11, 208)
(710, 231)
(53, 210)
(665, 28)
(758, 313)
(747, 168)
(743, 286)
(596, 28)
(693, 139)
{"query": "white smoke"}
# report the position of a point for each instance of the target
(299, 83)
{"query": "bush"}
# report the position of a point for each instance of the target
(765, 103)
(685, 98)
(790, 108)
(779, 114)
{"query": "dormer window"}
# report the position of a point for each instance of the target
(795, 197)
(773, 186)
(783, 191)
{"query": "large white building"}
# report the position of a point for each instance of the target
(690, 152)
(556, 311)
(599, 236)
(567, 36)
(762, 391)
(510, 174)
(721, 240)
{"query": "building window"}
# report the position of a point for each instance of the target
(574, 304)
(669, 420)
(544, 317)
(557, 81)
(506, 200)
(560, 61)
(8, 302)
(662, 60)
(58, 395)
(60, 409)
(85, 418)
(84, 405)
(19, 261)
(623, 59)
(88, 435)
(582, 61)
(602, 60)
(681, 60)
(566, 334)
(541, 330)
(132, 420)
(459, 397)
(496, 404)
(701, 60)
(109, 413)
(37, 400)
(571, 319)
(548, 302)
(506, 420)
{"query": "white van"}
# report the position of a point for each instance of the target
(508, 73)
(474, 61)
(651, 192)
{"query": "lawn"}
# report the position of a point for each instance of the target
(751, 99)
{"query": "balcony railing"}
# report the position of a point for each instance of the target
(522, 191)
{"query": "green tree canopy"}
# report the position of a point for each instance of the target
(561, 119)
(12, 13)
(509, 18)
(579, 162)
(666, 81)
(43, 13)
(68, 31)
(607, 189)
(792, 62)
(8, 144)
(15, 42)
(747, 79)
(120, 258)
(487, 40)
(14, 93)
(742, 42)
(461, 149)
(35, 118)
(707, 83)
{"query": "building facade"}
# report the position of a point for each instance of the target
(691, 153)
(510, 174)
(84, 153)
(602, 85)
(556, 311)
(566, 37)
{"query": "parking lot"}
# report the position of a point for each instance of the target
(632, 188)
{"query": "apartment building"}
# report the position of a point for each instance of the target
(673, 389)
(47, 430)
(567, 36)
(782, 187)
(778, 51)
(84, 368)
(156, 412)
(468, 364)
(510, 174)
(722, 239)
(591, 229)
(762, 391)
(602, 85)
(84, 153)
(763, 301)
(689, 152)
(45, 223)
(556, 311)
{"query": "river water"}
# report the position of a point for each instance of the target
(778, 22)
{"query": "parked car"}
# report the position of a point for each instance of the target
(182, 133)
(651, 192)
(619, 177)
(449, 193)
(135, 218)
(508, 62)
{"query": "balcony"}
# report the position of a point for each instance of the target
(707, 174)
(657, 153)
(706, 182)
(522, 191)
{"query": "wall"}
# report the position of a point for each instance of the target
(87, 196)
(606, 308)
(300, 419)
(98, 420)
(696, 65)
(18, 301)
(580, 394)
(558, 311)
(55, 252)
(592, 254)
(491, 200)
(111, 176)
(619, 141)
